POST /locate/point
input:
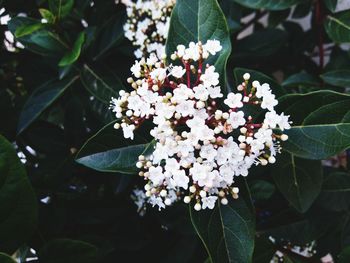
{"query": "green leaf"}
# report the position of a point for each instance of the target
(28, 29)
(39, 40)
(261, 190)
(73, 55)
(344, 256)
(269, 4)
(200, 20)
(331, 4)
(122, 160)
(340, 78)
(338, 26)
(262, 78)
(301, 79)
(18, 217)
(68, 251)
(299, 180)
(227, 231)
(41, 99)
(321, 123)
(263, 251)
(6, 258)
(46, 14)
(103, 85)
(61, 8)
(335, 194)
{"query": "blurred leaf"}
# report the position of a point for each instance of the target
(42, 41)
(73, 55)
(28, 29)
(122, 160)
(344, 256)
(200, 21)
(227, 231)
(261, 190)
(335, 194)
(331, 4)
(262, 78)
(41, 99)
(299, 180)
(338, 26)
(301, 79)
(269, 4)
(61, 8)
(263, 251)
(277, 17)
(102, 85)
(6, 258)
(47, 15)
(340, 78)
(18, 216)
(321, 123)
(302, 9)
(68, 251)
(262, 43)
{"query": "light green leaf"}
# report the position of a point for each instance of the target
(74, 54)
(28, 29)
(61, 8)
(269, 4)
(200, 20)
(299, 180)
(338, 26)
(6, 258)
(18, 217)
(41, 99)
(321, 123)
(227, 231)
(46, 14)
(340, 78)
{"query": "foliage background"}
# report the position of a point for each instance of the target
(54, 96)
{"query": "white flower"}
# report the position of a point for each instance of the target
(201, 93)
(234, 100)
(271, 119)
(156, 175)
(269, 102)
(136, 69)
(177, 71)
(263, 90)
(210, 77)
(181, 179)
(208, 152)
(185, 108)
(212, 46)
(128, 131)
(215, 92)
(236, 119)
(209, 202)
(284, 123)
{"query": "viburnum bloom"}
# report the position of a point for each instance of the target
(203, 140)
(147, 25)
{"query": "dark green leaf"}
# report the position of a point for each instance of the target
(344, 256)
(301, 79)
(262, 78)
(331, 4)
(321, 123)
(338, 26)
(122, 160)
(299, 180)
(74, 54)
(6, 258)
(18, 215)
(277, 17)
(340, 78)
(227, 231)
(335, 194)
(261, 190)
(61, 8)
(269, 4)
(263, 251)
(68, 251)
(41, 99)
(200, 21)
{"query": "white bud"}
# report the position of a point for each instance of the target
(163, 193)
(255, 84)
(147, 187)
(235, 190)
(167, 201)
(203, 193)
(173, 56)
(187, 199)
(224, 201)
(246, 99)
(272, 159)
(246, 76)
(263, 162)
(197, 207)
(148, 193)
(284, 137)
(225, 115)
(243, 130)
(116, 125)
(139, 165)
(192, 189)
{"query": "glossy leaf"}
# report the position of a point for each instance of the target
(338, 26)
(227, 231)
(122, 160)
(69, 251)
(41, 99)
(61, 8)
(200, 20)
(263, 251)
(299, 180)
(18, 217)
(340, 78)
(28, 29)
(321, 123)
(46, 14)
(6, 258)
(269, 4)
(74, 54)
(331, 4)
(301, 79)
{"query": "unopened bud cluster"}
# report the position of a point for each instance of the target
(203, 139)
(147, 25)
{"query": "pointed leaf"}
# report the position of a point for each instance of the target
(340, 78)
(338, 26)
(74, 54)
(6, 258)
(269, 4)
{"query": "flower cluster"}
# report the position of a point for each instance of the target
(147, 25)
(199, 148)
